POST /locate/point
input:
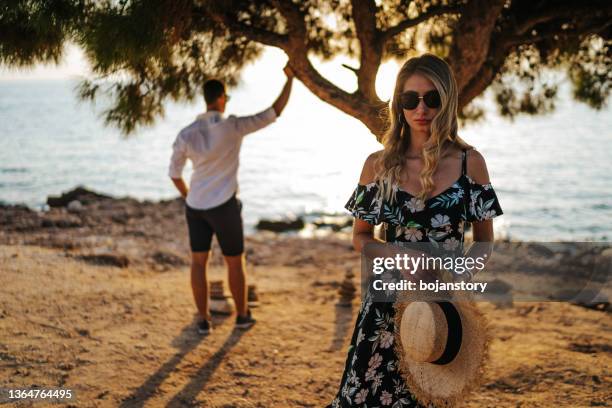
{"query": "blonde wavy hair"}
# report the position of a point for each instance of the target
(396, 139)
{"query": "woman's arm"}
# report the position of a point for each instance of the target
(363, 232)
(482, 231)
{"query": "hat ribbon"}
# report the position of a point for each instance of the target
(455, 333)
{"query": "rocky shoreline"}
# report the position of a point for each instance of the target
(99, 229)
(122, 231)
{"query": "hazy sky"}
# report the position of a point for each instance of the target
(74, 64)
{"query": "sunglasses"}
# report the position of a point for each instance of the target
(410, 100)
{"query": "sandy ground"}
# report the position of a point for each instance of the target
(123, 335)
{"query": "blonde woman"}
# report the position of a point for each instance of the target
(424, 186)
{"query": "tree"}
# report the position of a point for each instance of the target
(146, 52)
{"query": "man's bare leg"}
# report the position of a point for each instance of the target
(199, 283)
(237, 281)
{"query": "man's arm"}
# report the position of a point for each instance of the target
(180, 185)
(177, 163)
(283, 98)
(248, 124)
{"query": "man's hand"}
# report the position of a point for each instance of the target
(288, 71)
(181, 187)
(280, 102)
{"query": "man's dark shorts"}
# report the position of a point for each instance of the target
(225, 221)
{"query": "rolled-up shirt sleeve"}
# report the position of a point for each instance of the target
(243, 125)
(178, 159)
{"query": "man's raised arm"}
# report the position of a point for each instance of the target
(282, 99)
(249, 124)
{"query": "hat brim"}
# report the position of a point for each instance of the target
(449, 384)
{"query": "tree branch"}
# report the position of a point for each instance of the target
(472, 39)
(364, 15)
(504, 44)
(295, 46)
(530, 18)
(252, 33)
(296, 26)
(558, 35)
(355, 70)
(485, 74)
(412, 22)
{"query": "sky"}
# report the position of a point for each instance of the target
(75, 65)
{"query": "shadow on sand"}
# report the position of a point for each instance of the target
(186, 342)
(344, 322)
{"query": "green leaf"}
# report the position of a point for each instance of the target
(360, 197)
(412, 224)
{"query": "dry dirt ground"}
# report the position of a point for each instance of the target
(125, 336)
(99, 301)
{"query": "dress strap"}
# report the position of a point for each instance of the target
(463, 162)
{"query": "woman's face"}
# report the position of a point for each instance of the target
(419, 118)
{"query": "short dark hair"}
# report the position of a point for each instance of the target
(213, 89)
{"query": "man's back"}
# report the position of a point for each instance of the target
(212, 143)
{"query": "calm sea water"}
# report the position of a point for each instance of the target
(551, 173)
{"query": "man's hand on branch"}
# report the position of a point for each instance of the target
(289, 71)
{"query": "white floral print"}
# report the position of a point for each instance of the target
(386, 398)
(376, 382)
(487, 215)
(415, 204)
(361, 396)
(370, 374)
(386, 339)
(439, 220)
(375, 361)
(451, 244)
(413, 235)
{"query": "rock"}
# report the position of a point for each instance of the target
(252, 297)
(120, 261)
(606, 253)
(60, 220)
(80, 193)
(75, 206)
(498, 286)
(499, 293)
(168, 258)
(347, 289)
(223, 306)
(281, 225)
(541, 249)
(587, 298)
(335, 223)
(18, 218)
(219, 302)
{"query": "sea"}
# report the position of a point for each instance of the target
(551, 172)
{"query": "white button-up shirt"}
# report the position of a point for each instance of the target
(212, 143)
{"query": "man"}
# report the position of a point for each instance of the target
(212, 143)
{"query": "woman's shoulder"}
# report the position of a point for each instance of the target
(369, 171)
(476, 166)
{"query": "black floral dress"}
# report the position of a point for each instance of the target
(371, 377)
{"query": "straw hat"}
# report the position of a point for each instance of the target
(442, 348)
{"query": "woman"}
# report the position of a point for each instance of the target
(424, 186)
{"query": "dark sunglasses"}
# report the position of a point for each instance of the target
(410, 100)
